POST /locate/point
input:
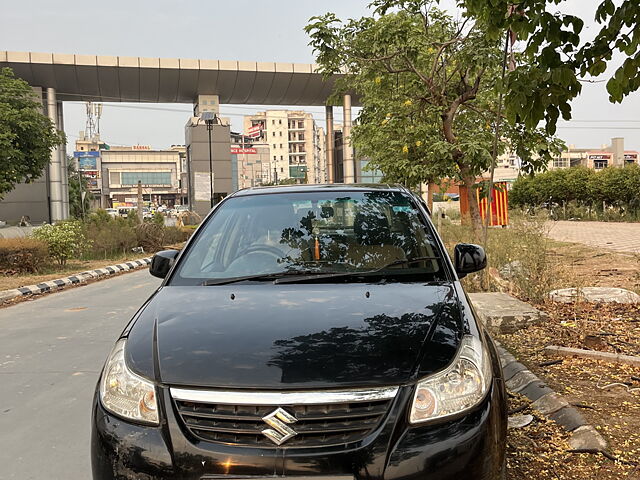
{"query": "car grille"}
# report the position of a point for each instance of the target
(317, 425)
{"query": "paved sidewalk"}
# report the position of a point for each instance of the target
(621, 237)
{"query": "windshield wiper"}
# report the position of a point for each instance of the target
(257, 277)
(407, 261)
(306, 277)
(309, 276)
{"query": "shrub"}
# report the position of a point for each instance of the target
(582, 192)
(520, 254)
(173, 235)
(64, 239)
(150, 236)
(22, 255)
(158, 218)
(110, 236)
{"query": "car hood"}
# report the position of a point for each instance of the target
(295, 336)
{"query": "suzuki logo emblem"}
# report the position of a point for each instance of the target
(280, 431)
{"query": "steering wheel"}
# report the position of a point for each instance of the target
(261, 248)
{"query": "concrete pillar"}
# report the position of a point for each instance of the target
(56, 204)
(329, 143)
(63, 164)
(617, 145)
(348, 163)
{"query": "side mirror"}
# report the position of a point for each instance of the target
(469, 258)
(162, 262)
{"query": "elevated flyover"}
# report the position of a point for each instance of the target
(101, 78)
(170, 80)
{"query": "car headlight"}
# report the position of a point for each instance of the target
(459, 387)
(124, 393)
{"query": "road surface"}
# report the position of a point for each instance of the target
(622, 237)
(51, 352)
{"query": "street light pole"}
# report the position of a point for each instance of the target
(209, 128)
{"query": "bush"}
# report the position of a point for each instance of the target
(22, 255)
(158, 218)
(110, 236)
(64, 239)
(150, 236)
(519, 253)
(611, 194)
(173, 235)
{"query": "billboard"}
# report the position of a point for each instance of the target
(255, 131)
(87, 160)
(87, 163)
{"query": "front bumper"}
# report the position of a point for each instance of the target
(470, 447)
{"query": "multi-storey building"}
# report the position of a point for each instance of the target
(158, 171)
(296, 144)
(112, 173)
(250, 160)
(613, 155)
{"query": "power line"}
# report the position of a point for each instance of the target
(602, 121)
(599, 128)
(225, 110)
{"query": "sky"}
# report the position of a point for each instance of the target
(239, 30)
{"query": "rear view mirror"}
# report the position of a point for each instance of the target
(469, 258)
(162, 262)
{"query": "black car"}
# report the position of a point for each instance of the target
(305, 331)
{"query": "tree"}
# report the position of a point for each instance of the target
(429, 87)
(26, 135)
(284, 181)
(557, 57)
(79, 195)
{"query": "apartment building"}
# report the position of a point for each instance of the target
(250, 160)
(613, 155)
(296, 144)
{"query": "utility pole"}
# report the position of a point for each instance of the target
(209, 119)
(80, 180)
(82, 194)
(140, 215)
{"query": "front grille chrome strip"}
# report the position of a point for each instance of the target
(235, 397)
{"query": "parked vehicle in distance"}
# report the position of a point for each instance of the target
(305, 331)
(112, 211)
(181, 208)
(126, 211)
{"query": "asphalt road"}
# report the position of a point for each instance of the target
(51, 353)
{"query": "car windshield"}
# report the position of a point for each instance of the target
(376, 234)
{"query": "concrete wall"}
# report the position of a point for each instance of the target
(28, 199)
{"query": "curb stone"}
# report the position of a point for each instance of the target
(584, 437)
(59, 283)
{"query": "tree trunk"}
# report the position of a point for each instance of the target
(468, 182)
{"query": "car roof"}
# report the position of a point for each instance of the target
(306, 188)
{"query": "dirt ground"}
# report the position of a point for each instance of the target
(608, 395)
(596, 267)
(8, 282)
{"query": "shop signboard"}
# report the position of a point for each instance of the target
(250, 151)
